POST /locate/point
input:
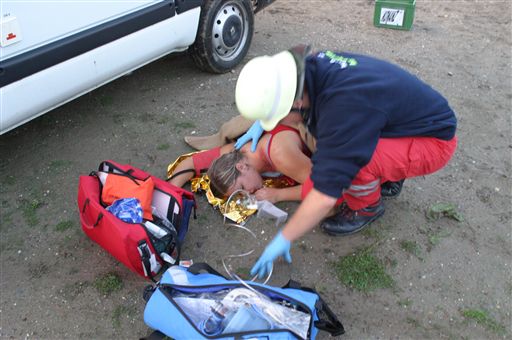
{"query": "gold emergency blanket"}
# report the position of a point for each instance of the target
(236, 210)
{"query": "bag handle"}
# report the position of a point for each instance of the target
(128, 173)
(327, 320)
(145, 259)
(82, 212)
(330, 324)
(196, 268)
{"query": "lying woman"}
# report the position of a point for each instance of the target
(280, 150)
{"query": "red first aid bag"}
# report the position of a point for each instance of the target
(145, 248)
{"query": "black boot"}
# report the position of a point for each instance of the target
(349, 221)
(391, 189)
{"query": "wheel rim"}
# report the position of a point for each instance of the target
(230, 31)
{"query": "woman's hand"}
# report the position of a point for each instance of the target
(267, 194)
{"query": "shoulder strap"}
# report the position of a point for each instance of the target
(180, 173)
(275, 131)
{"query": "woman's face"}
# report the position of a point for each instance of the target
(249, 179)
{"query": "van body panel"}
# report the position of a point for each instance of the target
(53, 86)
(43, 22)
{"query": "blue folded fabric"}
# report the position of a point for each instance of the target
(127, 209)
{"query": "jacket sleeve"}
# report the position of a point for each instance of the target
(346, 139)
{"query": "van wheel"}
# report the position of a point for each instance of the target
(224, 35)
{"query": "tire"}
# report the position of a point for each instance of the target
(224, 35)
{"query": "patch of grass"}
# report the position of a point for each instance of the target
(377, 232)
(438, 210)
(9, 180)
(372, 233)
(321, 289)
(108, 283)
(179, 126)
(163, 120)
(423, 230)
(362, 271)
(411, 247)
(29, 210)
(413, 322)
(483, 318)
(118, 313)
(72, 290)
(434, 239)
(390, 262)
(5, 219)
(185, 125)
(59, 164)
(243, 272)
(11, 243)
(163, 146)
(106, 101)
(404, 303)
(64, 225)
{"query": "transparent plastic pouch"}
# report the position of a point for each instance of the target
(238, 310)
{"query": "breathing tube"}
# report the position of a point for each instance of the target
(250, 203)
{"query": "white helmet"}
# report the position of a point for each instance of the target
(266, 88)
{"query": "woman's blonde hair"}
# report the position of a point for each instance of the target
(223, 172)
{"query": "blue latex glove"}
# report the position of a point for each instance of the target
(254, 133)
(279, 246)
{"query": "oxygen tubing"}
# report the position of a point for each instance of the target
(231, 274)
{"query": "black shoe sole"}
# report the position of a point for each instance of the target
(330, 233)
(386, 196)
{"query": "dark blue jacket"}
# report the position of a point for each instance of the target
(355, 100)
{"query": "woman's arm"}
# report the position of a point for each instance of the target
(275, 195)
(181, 179)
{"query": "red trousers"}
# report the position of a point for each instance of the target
(394, 159)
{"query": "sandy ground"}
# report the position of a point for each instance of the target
(50, 270)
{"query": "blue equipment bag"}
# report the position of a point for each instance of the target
(187, 304)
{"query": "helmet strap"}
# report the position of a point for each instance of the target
(299, 53)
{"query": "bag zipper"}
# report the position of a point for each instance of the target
(227, 285)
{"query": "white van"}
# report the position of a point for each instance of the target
(54, 51)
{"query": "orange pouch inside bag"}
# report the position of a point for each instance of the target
(119, 186)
